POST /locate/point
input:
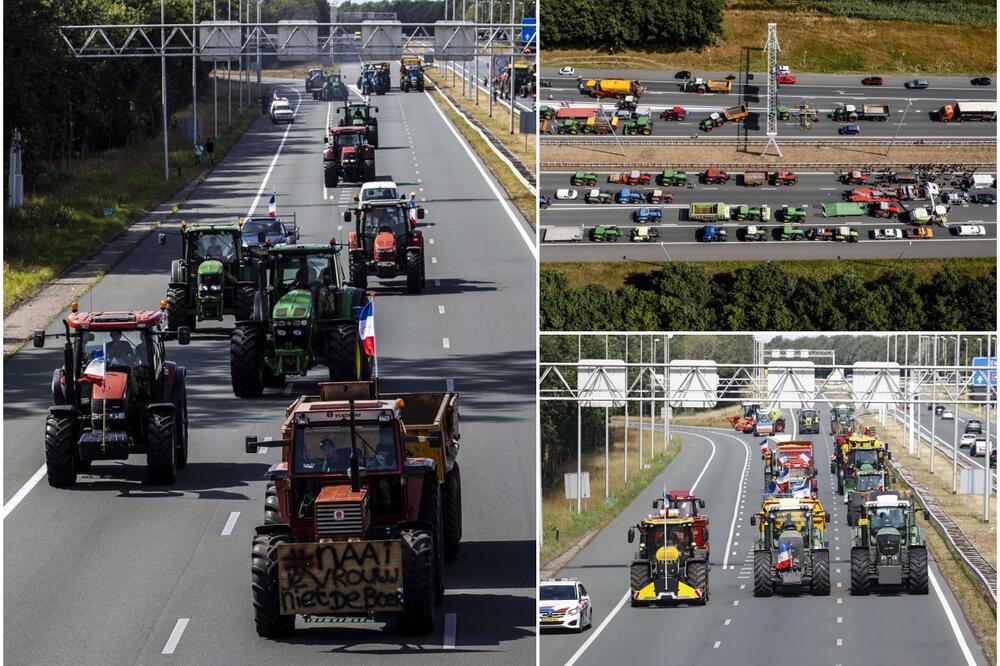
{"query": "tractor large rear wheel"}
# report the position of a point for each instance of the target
(430, 512)
(451, 493)
(245, 362)
(272, 516)
(60, 450)
(176, 308)
(414, 272)
(820, 573)
(698, 578)
(344, 353)
(763, 583)
(639, 577)
(161, 448)
(916, 581)
(860, 583)
(243, 298)
(358, 270)
(418, 580)
(266, 600)
(330, 177)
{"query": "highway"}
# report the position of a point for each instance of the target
(944, 431)
(823, 92)
(114, 571)
(724, 468)
(525, 104)
(679, 236)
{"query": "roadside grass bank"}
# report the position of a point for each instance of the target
(519, 194)
(816, 42)
(559, 514)
(84, 206)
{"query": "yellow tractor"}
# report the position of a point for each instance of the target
(667, 567)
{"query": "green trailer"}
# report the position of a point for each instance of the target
(850, 209)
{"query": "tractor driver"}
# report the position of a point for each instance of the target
(303, 276)
(337, 459)
(788, 524)
(119, 351)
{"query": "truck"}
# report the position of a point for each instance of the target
(960, 111)
(701, 86)
(708, 212)
(617, 88)
(850, 209)
(552, 234)
(735, 113)
(849, 113)
(714, 177)
(979, 181)
(754, 178)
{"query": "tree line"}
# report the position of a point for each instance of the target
(659, 24)
(766, 297)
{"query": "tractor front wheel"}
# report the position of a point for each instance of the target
(698, 579)
(330, 177)
(358, 270)
(418, 580)
(161, 448)
(763, 583)
(60, 450)
(451, 493)
(820, 573)
(916, 581)
(414, 272)
(245, 362)
(176, 308)
(343, 353)
(860, 583)
(639, 577)
(243, 298)
(266, 600)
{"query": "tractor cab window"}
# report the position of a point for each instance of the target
(868, 482)
(349, 139)
(789, 521)
(112, 349)
(215, 246)
(888, 517)
(324, 450)
(864, 457)
(385, 218)
(684, 508)
(305, 272)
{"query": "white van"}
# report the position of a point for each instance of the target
(971, 230)
(979, 181)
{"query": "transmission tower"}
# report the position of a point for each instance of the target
(772, 48)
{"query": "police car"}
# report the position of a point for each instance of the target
(564, 604)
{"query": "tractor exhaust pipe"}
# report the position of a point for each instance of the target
(355, 474)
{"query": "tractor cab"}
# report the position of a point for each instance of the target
(685, 505)
(359, 115)
(386, 243)
(667, 566)
(888, 547)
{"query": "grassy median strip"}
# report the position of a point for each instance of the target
(564, 527)
(78, 209)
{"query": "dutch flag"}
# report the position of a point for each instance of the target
(784, 556)
(366, 328)
(272, 205)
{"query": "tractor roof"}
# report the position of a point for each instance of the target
(864, 442)
(114, 321)
(659, 520)
(305, 249)
(681, 494)
(349, 129)
(221, 228)
(888, 501)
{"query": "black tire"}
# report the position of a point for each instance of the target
(431, 512)
(860, 583)
(763, 583)
(330, 177)
(368, 170)
(451, 495)
(266, 600)
(245, 362)
(414, 272)
(820, 573)
(358, 270)
(176, 308)
(418, 580)
(60, 450)
(916, 581)
(272, 516)
(374, 137)
(161, 448)
(181, 424)
(243, 297)
(840, 484)
(343, 353)
(698, 578)
(639, 578)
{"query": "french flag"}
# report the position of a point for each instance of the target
(366, 328)
(272, 205)
(802, 490)
(763, 448)
(805, 457)
(784, 557)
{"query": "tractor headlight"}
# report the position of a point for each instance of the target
(297, 331)
(303, 322)
(279, 331)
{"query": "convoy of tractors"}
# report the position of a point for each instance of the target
(364, 509)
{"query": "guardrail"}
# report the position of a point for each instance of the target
(725, 141)
(965, 461)
(970, 167)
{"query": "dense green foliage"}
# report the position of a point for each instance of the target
(766, 297)
(673, 24)
(850, 349)
(958, 12)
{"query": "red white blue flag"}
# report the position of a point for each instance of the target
(784, 557)
(366, 328)
(272, 205)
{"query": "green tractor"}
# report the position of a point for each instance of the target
(809, 422)
(641, 125)
(333, 90)
(602, 234)
(546, 112)
(793, 215)
(583, 178)
(753, 213)
(676, 178)
(788, 232)
(360, 114)
(887, 546)
(567, 126)
(862, 486)
(783, 113)
(213, 277)
(304, 315)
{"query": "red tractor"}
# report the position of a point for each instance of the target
(885, 209)
(359, 522)
(682, 504)
(855, 178)
(348, 156)
(715, 177)
(116, 395)
(386, 243)
(674, 113)
(745, 422)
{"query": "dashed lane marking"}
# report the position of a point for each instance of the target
(175, 635)
(231, 523)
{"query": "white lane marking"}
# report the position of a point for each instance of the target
(434, 260)
(840, 619)
(951, 620)
(528, 240)
(739, 495)
(840, 600)
(728, 620)
(717, 644)
(446, 342)
(23, 491)
(618, 607)
(231, 523)
(274, 160)
(450, 620)
(437, 283)
(736, 602)
(840, 642)
(262, 450)
(288, 389)
(430, 240)
(326, 194)
(743, 586)
(175, 635)
(449, 385)
(440, 309)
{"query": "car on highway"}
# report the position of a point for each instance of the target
(872, 81)
(271, 231)
(849, 129)
(565, 193)
(947, 415)
(920, 84)
(377, 190)
(683, 74)
(887, 234)
(564, 604)
(938, 409)
(567, 71)
(982, 81)
(783, 70)
(971, 230)
(543, 201)
(281, 112)
(974, 426)
(983, 198)
(786, 79)
(978, 447)
(967, 440)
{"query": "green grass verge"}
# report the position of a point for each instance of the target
(557, 514)
(65, 220)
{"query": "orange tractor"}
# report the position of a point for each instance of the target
(385, 243)
(752, 412)
(682, 504)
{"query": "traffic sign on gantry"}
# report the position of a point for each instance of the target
(694, 383)
(219, 40)
(297, 40)
(601, 382)
(791, 384)
(986, 376)
(454, 40)
(381, 40)
(876, 385)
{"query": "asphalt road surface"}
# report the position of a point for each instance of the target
(679, 237)
(124, 572)
(823, 92)
(525, 104)
(724, 468)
